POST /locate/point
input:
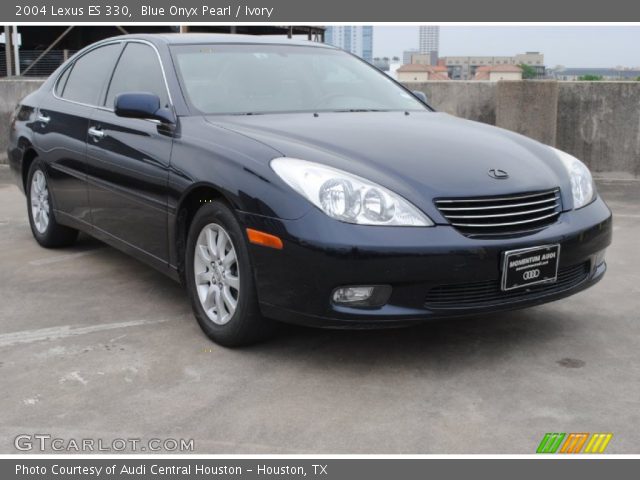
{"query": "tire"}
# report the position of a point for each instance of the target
(222, 292)
(44, 227)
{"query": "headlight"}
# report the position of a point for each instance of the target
(582, 187)
(347, 197)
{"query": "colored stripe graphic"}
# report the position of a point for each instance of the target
(598, 442)
(574, 442)
(550, 443)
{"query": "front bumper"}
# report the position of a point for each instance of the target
(295, 284)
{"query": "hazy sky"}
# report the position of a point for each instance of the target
(596, 46)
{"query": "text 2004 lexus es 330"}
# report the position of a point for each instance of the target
(294, 182)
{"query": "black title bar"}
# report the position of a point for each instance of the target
(320, 11)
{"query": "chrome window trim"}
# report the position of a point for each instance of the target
(56, 84)
(104, 44)
(72, 64)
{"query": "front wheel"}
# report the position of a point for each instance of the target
(46, 230)
(220, 279)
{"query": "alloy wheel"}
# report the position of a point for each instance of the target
(39, 196)
(217, 273)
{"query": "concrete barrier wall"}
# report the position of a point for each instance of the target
(528, 108)
(11, 92)
(471, 100)
(599, 122)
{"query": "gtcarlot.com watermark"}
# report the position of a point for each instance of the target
(48, 443)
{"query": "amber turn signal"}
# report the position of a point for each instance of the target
(264, 239)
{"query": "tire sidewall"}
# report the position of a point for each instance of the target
(216, 212)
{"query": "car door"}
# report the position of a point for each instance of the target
(60, 130)
(128, 159)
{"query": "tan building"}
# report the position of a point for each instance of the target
(498, 72)
(416, 72)
(420, 59)
(464, 68)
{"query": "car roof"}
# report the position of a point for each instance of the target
(209, 38)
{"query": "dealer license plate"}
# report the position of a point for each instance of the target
(530, 266)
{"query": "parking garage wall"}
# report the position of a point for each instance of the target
(599, 122)
(11, 92)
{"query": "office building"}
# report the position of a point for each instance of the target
(408, 54)
(355, 39)
(429, 38)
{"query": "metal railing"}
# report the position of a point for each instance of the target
(33, 66)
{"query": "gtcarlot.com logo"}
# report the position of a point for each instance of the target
(574, 443)
(46, 442)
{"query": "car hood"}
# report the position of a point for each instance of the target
(418, 155)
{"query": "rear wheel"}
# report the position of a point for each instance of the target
(46, 230)
(220, 279)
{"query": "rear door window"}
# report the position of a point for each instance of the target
(89, 74)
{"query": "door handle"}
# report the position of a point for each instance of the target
(96, 133)
(44, 118)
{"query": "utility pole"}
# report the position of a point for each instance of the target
(16, 49)
(7, 49)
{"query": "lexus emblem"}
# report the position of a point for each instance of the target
(498, 174)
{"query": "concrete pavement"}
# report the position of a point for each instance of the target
(96, 345)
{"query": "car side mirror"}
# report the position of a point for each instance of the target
(142, 105)
(420, 96)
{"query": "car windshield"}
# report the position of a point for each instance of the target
(255, 79)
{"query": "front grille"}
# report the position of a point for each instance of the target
(487, 293)
(503, 215)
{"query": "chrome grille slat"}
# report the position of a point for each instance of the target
(505, 224)
(508, 214)
(494, 207)
(497, 199)
(504, 215)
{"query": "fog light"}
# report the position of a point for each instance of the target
(599, 260)
(362, 295)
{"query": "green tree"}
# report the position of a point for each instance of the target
(590, 78)
(528, 72)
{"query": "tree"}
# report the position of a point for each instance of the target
(590, 78)
(528, 72)
(396, 59)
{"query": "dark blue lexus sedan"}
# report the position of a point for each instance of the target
(291, 181)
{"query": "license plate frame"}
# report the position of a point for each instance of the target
(514, 276)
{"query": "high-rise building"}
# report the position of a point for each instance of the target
(355, 39)
(430, 40)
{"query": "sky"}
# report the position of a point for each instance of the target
(571, 46)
